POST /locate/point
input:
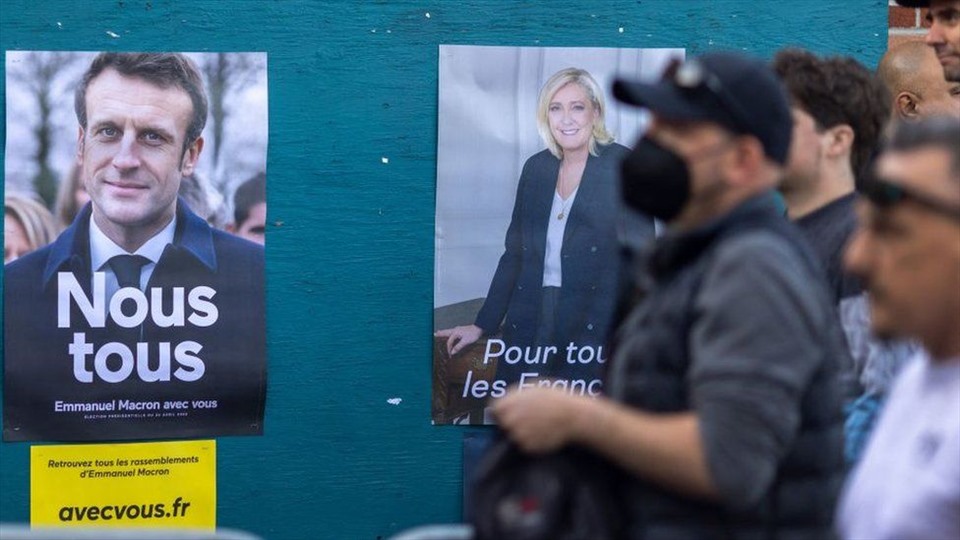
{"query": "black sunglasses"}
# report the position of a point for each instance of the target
(885, 194)
(692, 75)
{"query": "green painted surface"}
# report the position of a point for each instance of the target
(350, 254)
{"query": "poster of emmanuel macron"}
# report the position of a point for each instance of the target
(140, 320)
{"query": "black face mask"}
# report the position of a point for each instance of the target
(654, 180)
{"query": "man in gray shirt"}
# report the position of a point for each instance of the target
(725, 407)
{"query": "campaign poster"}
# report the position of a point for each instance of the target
(143, 485)
(135, 209)
(529, 224)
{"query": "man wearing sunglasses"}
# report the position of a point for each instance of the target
(944, 32)
(724, 411)
(907, 252)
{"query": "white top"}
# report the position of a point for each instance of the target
(102, 249)
(559, 215)
(907, 485)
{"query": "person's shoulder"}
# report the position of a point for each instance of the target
(541, 159)
(837, 219)
(915, 365)
(609, 156)
(769, 269)
(612, 151)
(908, 387)
(25, 280)
(232, 246)
(62, 249)
(29, 267)
(760, 253)
(755, 244)
(538, 170)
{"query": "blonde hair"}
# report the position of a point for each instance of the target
(38, 223)
(558, 80)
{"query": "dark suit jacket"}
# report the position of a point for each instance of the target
(39, 369)
(590, 256)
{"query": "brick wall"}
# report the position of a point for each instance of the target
(905, 24)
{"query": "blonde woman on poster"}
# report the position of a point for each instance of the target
(553, 296)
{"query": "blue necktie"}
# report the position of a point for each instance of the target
(127, 269)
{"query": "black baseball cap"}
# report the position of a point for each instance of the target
(913, 3)
(737, 91)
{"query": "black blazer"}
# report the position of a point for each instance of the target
(590, 256)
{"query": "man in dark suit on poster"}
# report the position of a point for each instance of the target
(139, 321)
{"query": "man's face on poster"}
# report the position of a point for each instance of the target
(131, 152)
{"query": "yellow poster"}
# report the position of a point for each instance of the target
(165, 484)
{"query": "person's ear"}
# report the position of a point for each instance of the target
(838, 140)
(190, 156)
(907, 106)
(746, 159)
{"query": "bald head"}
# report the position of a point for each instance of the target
(912, 74)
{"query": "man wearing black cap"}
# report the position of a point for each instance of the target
(944, 33)
(725, 410)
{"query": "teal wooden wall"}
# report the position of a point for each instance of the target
(350, 251)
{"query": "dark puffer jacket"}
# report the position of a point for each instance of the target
(737, 327)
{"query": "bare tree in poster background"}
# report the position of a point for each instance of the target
(42, 126)
(225, 75)
(39, 74)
